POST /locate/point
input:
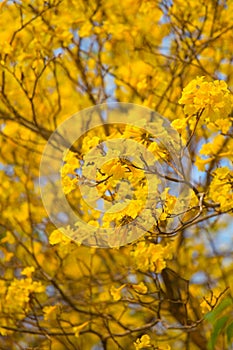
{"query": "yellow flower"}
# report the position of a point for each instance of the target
(79, 328)
(143, 342)
(3, 332)
(140, 288)
(205, 307)
(136, 133)
(85, 29)
(66, 169)
(116, 292)
(57, 236)
(222, 125)
(27, 271)
(157, 151)
(9, 238)
(212, 97)
(50, 312)
(201, 163)
(71, 159)
(90, 142)
(68, 184)
(220, 190)
(151, 257)
(179, 125)
(114, 168)
(19, 291)
(134, 207)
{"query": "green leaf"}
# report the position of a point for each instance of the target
(219, 325)
(213, 315)
(229, 332)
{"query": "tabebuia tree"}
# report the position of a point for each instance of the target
(116, 179)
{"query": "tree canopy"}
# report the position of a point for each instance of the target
(149, 85)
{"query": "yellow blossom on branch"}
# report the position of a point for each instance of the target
(58, 236)
(140, 288)
(116, 292)
(50, 312)
(220, 190)
(28, 271)
(20, 291)
(151, 256)
(78, 329)
(211, 98)
(143, 342)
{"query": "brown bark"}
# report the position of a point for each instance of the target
(180, 301)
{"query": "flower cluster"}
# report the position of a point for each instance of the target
(213, 98)
(71, 163)
(221, 188)
(149, 256)
(20, 291)
(59, 236)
